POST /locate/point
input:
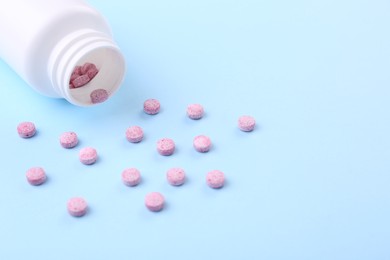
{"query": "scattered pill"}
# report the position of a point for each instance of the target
(202, 143)
(88, 155)
(165, 146)
(154, 201)
(36, 176)
(77, 207)
(246, 123)
(69, 139)
(176, 176)
(151, 106)
(99, 96)
(131, 177)
(134, 134)
(26, 129)
(215, 179)
(195, 111)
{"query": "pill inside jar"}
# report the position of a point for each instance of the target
(82, 75)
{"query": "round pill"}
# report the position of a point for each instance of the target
(215, 179)
(87, 67)
(176, 176)
(73, 77)
(134, 134)
(92, 73)
(195, 111)
(202, 143)
(88, 155)
(36, 176)
(77, 71)
(154, 201)
(165, 146)
(246, 123)
(68, 139)
(26, 129)
(77, 207)
(151, 106)
(80, 81)
(99, 96)
(131, 177)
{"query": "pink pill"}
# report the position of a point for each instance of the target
(131, 177)
(81, 75)
(195, 111)
(154, 201)
(88, 155)
(246, 123)
(26, 129)
(73, 77)
(77, 207)
(69, 139)
(215, 179)
(151, 106)
(80, 81)
(202, 143)
(77, 71)
(99, 96)
(176, 176)
(36, 176)
(92, 73)
(87, 67)
(165, 146)
(134, 134)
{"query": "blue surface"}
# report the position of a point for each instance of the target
(311, 182)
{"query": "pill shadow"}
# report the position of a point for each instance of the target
(79, 144)
(90, 211)
(245, 133)
(213, 149)
(47, 181)
(37, 133)
(158, 156)
(42, 185)
(87, 215)
(187, 181)
(98, 161)
(190, 121)
(148, 214)
(167, 206)
(145, 212)
(226, 185)
(131, 145)
(208, 189)
(127, 187)
(145, 116)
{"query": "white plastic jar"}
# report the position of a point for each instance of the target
(44, 41)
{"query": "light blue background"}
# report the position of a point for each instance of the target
(311, 182)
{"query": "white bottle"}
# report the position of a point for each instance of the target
(44, 40)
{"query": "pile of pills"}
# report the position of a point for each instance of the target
(154, 201)
(82, 75)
